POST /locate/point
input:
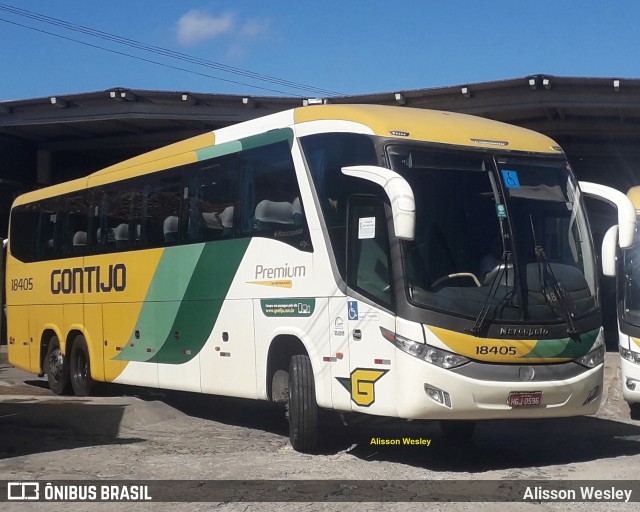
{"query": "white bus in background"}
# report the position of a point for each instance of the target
(628, 298)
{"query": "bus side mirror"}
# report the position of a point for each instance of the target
(399, 192)
(624, 206)
(609, 249)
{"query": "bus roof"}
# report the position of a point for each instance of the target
(388, 121)
(433, 126)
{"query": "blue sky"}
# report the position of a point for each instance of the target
(341, 46)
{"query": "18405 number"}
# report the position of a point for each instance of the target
(24, 284)
(485, 350)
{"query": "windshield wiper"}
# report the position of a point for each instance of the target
(554, 294)
(481, 325)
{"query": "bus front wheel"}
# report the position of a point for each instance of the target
(80, 368)
(302, 407)
(56, 366)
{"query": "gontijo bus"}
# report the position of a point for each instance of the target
(382, 260)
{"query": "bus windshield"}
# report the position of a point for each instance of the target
(496, 238)
(631, 284)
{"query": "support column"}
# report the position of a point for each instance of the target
(43, 174)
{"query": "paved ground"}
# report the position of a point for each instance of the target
(139, 434)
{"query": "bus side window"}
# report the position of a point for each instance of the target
(160, 210)
(326, 154)
(73, 223)
(46, 235)
(272, 207)
(103, 237)
(119, 218)
(212, 190)
(25, 233)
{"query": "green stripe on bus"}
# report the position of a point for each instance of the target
(565, 347)
(202, 302)
(255, 141)
(271, 137)
(166, 291)
(225, 148)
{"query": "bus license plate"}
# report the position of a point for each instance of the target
(524, 398)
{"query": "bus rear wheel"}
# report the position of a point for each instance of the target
(56, 366)
(80, 368)
(302, 407)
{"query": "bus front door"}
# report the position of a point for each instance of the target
(368, 309)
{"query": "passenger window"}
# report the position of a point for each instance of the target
(47, 224)
(73, 222)
(118, 229)
(212, 190)
(160, 211)
(272, 207)
(32, 231)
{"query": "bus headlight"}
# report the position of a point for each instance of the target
(437, 356)
(633, 357)
(595, 356)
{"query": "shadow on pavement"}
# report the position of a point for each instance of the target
(500, 445)
(36, 427)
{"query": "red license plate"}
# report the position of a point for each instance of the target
(524, 399)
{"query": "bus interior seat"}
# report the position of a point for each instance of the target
(121, 235)
(211, 220)
(49, 248)
(111, 236)
(79, 242)
(226, 217)
(170, 229)
(273, 215)
(296, 208)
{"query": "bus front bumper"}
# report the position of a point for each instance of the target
(436, 393)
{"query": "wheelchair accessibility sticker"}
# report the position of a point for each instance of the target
(510, 179)
(354, 313)
(353, 309)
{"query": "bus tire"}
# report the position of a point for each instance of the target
(80, 368)
(458, 431)
(302, 406)
(56, 366)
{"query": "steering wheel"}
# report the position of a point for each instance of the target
(442, 279)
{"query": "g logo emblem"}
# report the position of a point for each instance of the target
(361, 385)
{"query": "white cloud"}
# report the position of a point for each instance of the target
(197, 26)
(251, 30)
(254, 29)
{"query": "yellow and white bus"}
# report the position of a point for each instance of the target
(382, 260)
(628, 288)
